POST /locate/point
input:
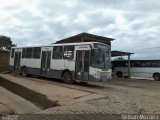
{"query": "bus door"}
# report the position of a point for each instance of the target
(82, 64)
(45, 63)
(17, 60)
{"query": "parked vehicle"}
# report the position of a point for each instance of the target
(138, 68)
(85, 61)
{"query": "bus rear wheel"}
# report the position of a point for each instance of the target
(67, 78)
(83, 82)
(119, 74)
(156, 76)
(24, 72)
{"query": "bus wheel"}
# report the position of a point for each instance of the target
(119, 74)
(156, 76)
(24, 72)
(67, 78)
(83, 82)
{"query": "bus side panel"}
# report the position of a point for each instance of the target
(33, 65)
(124, 70)
(137, 71)
(146, 72)
(58, 66)
(70, 65)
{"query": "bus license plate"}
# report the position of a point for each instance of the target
(103, 78)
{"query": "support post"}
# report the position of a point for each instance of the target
(129, 72)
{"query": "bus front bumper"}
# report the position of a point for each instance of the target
(100, 78)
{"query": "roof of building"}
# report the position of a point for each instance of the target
(120, 53)
(86, 37)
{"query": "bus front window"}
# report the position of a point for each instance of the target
(100, 59)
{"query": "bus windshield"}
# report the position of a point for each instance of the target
(101, 58)
(101, 46)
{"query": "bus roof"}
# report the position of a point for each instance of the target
(62, 44)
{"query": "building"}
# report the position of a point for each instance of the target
(4, 61)
(86, 37)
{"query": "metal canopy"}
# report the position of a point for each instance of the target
(120, 53)
(86, 37)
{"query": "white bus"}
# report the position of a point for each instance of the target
(85, 61)
(138, 68)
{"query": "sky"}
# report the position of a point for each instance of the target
(134, 24)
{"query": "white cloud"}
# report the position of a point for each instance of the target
(94, 30)
(71, 3)
(63, 19)
(134, 24)
(81, 19)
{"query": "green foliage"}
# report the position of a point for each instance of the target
(5, 43)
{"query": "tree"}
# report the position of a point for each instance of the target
(5, 43)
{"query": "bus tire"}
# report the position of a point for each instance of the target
(67, 77)
(119, 74)
(83, 82)
(156, 76)
(24, 72)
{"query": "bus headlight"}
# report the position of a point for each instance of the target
(109, 77)
(96, 75)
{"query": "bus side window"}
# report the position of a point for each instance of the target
(154, 64)
(137, 64)
(68, 52)
(148, 64)
(143, 64)
(132, 63)
(23, 52)
(12, 53)
(158, 64)
(37, 52)
(57, 52)
(29, 53)
(123, 64)
(117, 64)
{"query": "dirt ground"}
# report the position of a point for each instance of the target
(11, 103)
(116, 97)
(124, 96)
